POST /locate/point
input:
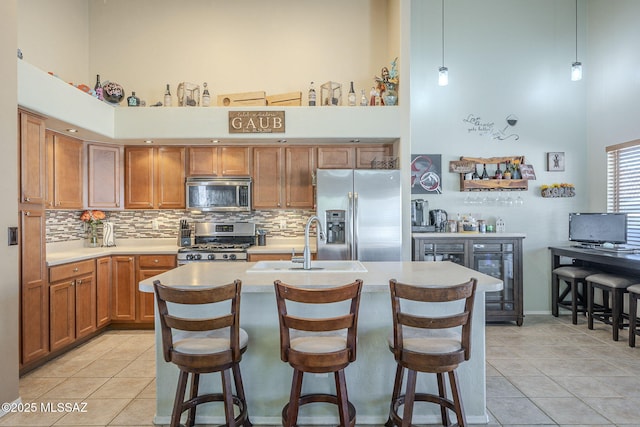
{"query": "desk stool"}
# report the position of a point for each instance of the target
(203, 345)
(433, 344)
(574, 278)
(318, 344)
(608, 283)
(634, 294)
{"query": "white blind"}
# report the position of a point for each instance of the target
(623, 185)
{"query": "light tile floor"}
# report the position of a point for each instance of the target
(545, 373)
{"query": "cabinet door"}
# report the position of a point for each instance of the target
(170, 178)
(32, 159)
(62, 313)
(267, 164)
(146, 303)
(104, 176)
(299, 168)
(336, 157)
(139, 182)
(364, 155)
(103, 291)
(67, 172)
(123, 297)
(234, 161)
(203, 161)
(85, 307)
(34, 292)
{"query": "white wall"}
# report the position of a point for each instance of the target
(9, 302)
(613, 83)
(504, 57)
(54, 36)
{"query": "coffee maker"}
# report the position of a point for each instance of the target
(438, 217)
(420, 216)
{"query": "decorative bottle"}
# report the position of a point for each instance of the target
(206, 97)
(98, 88)
(167, 97)
(485, 175)
(133, 100)
(498, 174)
(515, 174)
(312, 95)
(507, 171)
(351, 99)
(363, 99)
(475, 175)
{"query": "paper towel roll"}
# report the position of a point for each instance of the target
(107, 234)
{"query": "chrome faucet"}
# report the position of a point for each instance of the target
(305, 259)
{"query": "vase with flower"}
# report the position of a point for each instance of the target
(92, 219)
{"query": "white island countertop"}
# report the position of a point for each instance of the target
(369, 378)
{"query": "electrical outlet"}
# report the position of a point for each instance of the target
(154, 224)
(283, 224)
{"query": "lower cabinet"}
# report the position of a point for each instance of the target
(72, 303)
(103, 291)
(149, 266)
(496, 256)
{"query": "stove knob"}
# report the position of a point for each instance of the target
(211, 257)
(197, 256)
(225, 256)
(189, 256)
(232, 256)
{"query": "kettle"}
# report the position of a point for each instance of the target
(438, 218)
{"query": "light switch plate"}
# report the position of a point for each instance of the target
(13, 236)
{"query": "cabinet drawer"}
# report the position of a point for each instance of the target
(73, 269)
(155, 261)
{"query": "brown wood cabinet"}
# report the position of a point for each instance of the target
(72, 302)
(149, 266)
(366, 154)
(65, 175)
(123, 297)
(219, 161)
(34, 295)
(103, 291)
(274, 257)
(349, 157)
(154, 178)
(32, 158)
(282, 177)
(104, 176)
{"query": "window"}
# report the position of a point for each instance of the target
(623, 185)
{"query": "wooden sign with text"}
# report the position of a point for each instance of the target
(256, 121)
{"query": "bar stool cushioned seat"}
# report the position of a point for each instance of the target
(433, 344)
(318, 344)
(204, 342)
(634, 294)
(611, 315)
(574, 278)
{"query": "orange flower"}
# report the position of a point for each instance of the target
(92, 217)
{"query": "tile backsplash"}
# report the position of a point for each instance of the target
(62, 225)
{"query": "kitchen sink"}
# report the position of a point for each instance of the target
(316, 266)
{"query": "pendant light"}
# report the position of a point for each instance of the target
(576, 67)
(443, 72)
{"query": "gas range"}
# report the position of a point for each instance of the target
(218, 242)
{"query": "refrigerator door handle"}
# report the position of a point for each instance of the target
(355, 226)
(349, 231)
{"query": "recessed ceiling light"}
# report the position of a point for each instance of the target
(355, 140)
(282, 141)
(148, 141)
(72, 130)
(215, 141)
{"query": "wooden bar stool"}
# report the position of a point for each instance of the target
(574, 279)
(611, 315)
(429, 344)
(318, 345)
(199, 345)
(634, 294)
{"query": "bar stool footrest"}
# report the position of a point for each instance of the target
(241, 420)
(321, 398)
(396, 420)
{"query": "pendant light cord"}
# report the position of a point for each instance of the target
(576, 30)
(443, 33)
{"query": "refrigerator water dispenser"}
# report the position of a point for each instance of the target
(335, 226)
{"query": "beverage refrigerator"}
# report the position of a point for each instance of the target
(361, 214)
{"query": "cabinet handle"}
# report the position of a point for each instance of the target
(75, 270)
(27, 199)
(79, 282)
(73, 283)
(156, 261)
(27, 213)
(150, 205)
(117, 205)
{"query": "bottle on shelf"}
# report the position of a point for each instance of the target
(515, 174)
(485, 175)
(98, 88)
(363, 99)
(206, 97)
(507, 171)
(312, 95)
(167, 97)
(133, 100)
(351, 98)
(498, 174)
(475, 175)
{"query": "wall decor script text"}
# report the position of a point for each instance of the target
(256, 122)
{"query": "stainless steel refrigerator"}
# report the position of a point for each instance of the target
(360, 211)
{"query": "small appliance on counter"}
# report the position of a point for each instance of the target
(420, 217)
(438, 218)
(184, 234)
(262, 237)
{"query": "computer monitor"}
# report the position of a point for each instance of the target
(593, 229)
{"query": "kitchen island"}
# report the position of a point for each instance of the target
(369, 379)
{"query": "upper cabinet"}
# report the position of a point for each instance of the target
(154, 177)
(350, 157)
(64, 172)
(219, 161)
(103, 180)
(32, 158)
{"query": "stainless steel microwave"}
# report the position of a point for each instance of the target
(213, 194)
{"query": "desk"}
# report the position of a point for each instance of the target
(614, 262)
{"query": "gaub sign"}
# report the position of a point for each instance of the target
(256, 121)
